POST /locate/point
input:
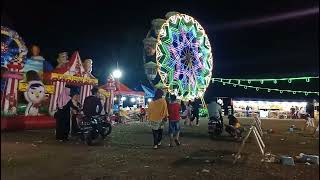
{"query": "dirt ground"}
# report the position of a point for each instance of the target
(127, 154)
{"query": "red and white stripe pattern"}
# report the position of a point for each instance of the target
(85, 91)
(59, 86)
(9, 96)
(110, 102)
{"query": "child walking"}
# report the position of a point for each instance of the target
(174, 118)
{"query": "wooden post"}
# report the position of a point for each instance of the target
(242, 145)
(258, 140)
(257, 123)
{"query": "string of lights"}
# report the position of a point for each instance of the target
(264, 88)
(274, 80)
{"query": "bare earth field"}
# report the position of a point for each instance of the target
(127, 154)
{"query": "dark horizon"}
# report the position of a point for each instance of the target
(249, 39)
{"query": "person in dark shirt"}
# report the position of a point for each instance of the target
(183, 106)
(63, 117)
(195, 111)
(92, 105)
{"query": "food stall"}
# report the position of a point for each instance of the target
(129, 99)
(273, 109)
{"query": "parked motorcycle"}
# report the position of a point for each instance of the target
(94, 128)
(215, 127)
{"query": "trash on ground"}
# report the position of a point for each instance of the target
(205, 170)
(313, 159)
(34, 145)
(270, 158)
(287, 160)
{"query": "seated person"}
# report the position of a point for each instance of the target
(234, 127)
(123, 115)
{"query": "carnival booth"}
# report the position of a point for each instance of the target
(31, 89)
(278, 109)
(126, 97)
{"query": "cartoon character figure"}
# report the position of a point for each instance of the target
(62, 59)
(87, 65)
(34, 95)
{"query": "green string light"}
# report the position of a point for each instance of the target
(270, 89)
(290, 79)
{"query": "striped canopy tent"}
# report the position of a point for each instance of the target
(123, 90)
(72, 73)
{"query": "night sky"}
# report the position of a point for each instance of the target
(110, 31)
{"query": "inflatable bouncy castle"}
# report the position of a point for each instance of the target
(31, 89)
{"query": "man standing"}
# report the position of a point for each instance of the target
(195, 111)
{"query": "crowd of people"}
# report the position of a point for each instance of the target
(160, 111)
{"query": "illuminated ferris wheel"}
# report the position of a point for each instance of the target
(178, 56)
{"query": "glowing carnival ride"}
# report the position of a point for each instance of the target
(177, 56)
